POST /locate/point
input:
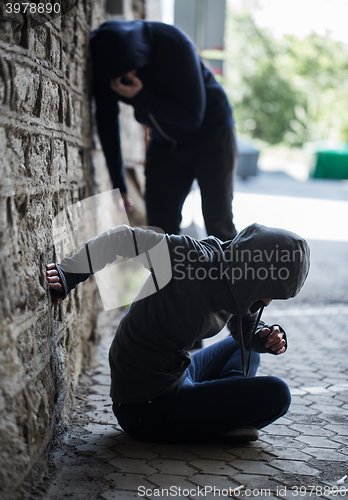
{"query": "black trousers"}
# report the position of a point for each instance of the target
(171, 172)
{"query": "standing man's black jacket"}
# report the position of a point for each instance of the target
(180, 99)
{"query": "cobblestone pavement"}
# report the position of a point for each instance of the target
(301, 455)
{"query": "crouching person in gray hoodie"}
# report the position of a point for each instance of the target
(160, 392)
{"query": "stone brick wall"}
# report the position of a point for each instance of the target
(45, 165)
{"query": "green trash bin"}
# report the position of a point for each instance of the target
(331, 163)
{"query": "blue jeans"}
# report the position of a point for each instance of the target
(212, 399)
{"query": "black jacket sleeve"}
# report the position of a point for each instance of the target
(109, 130)
(257, 342)
(104, 249)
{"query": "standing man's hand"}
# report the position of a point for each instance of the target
(127, 202)
(130, 90)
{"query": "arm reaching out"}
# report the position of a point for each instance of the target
(149, 247)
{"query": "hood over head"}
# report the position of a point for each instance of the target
(120, 46)
(266, 263)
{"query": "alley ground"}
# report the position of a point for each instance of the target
(303, 454)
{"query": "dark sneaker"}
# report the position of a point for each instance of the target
(242, 434)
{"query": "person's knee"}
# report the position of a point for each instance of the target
(281, 392)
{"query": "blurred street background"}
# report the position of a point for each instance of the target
(315, 209)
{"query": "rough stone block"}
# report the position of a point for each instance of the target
(39, 41)
(27, 93)
(39, 156)
(55, 54)
(59, 161)
(50, 101)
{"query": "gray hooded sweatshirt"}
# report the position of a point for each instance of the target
(194, 290)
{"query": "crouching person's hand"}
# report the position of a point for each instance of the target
(54, 282)
(273, 338)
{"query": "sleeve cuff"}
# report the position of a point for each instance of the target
(64, 283)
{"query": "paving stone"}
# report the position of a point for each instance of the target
(219, 482)
(253, 467)
(339, 388)
(259, 444)
(318, 441)
(170, 480)
(310, 420)
(101, 405)
(116, 494)
(107, 440)
(311, 385)
(102, 379)
(288, 453)
(251, 482)
(176, 452)
(131, 482)
(133, 465)
(297, 392)
(342, 397)
(213, 467)
(252, 454)
(278, 440)
(103, 368)
(101, 429)
(294, 467)
(315, 389)
(336, 419)
(283, 421)
(341, 430)
(176, 467)
(329, 408)
(94, 449)
(333, 380)
(282, 430)
(312, 430)
(325, 454)
(213, 452)
(101, 417)
(297, 409)
(98, 397)
(327, 398)
(103, 390)
(134, 452)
